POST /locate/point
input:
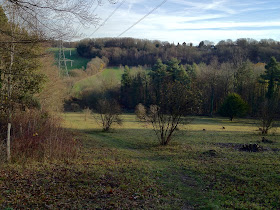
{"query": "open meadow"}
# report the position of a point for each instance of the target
(111, 74)
(95, 81)
(126, 168)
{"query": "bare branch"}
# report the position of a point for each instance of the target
(54, 18)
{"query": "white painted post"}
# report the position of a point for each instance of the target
(9, 143)
(20, 129)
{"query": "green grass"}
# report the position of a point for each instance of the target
(78, 61)
(127, 169)
(94, 82)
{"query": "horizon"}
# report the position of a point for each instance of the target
(194, 44)
(186, 21)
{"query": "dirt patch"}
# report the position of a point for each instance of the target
(210, 153)
(247, 147)
(251, 148)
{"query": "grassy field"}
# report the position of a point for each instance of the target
(113, 74)
(78, 61)
(94, 82)
(127, 169)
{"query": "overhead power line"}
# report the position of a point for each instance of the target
(107, 18)
(158, 6)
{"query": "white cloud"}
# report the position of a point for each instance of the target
(219, 5)
(188, 21)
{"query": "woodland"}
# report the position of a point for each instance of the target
(211, 72)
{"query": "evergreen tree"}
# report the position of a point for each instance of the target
(126, 90)
(268, 110)
(233, 106)
(272, 75)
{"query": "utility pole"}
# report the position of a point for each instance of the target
(62, 61)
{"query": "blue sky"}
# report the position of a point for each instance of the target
(191, 21)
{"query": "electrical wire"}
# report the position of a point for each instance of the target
(158, 6)
(107, 18)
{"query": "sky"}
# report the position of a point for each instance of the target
(189, 21)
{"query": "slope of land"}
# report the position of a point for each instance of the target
(111, 74)
(126, 169)
(78, 61)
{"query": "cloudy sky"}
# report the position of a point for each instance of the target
(189, 21)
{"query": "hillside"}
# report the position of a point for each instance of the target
(78, 61)
(94, 81)
(111, 74)
(134, 52)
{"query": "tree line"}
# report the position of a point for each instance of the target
(211, 83)
(170, 92)
(134, 52)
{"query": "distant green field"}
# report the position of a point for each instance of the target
(92, 82)
(112, 74)
(78, 61)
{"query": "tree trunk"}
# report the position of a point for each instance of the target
(9, 92)
(212, 101)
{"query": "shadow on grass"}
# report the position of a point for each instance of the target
(114, 139)
(145, 139)
(224, 121)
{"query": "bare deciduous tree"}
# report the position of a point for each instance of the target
(174, 102)
(267, 115)
(54, 18)
(108, 113)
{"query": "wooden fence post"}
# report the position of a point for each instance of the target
(9, 143)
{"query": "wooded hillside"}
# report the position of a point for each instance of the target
(133, 52)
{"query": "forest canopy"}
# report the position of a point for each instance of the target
(134, 52)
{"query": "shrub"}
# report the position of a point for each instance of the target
(75, 107)
(233, 106)
(108, 111)
(173, 103)
(36, 135)
(87, 113)
(267, 114)
(140, 111)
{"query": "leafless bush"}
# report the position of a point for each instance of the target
(141, 112)
(267, 115)
(87, 113)
(75, 107)
(108, 113)
(38, 136)
(164, 124)
(172, 104)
